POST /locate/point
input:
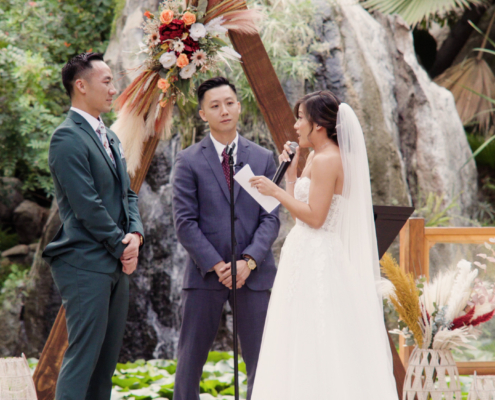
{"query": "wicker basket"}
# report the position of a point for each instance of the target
(482, 388)
(16, 382)
(427, 374)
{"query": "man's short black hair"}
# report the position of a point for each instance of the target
(212, 84)
(75, 67)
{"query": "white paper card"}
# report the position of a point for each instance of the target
(242, 177)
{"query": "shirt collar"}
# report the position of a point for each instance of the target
(219, 147)
(94, 122)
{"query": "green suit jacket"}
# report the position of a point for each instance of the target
(96, 204)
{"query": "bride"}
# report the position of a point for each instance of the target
(324, 336)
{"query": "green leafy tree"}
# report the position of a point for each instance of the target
(36, 40)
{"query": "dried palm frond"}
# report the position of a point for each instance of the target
(406, 296)
(472, 83)
(463, 80)
(447, 339)
(415, 11)
(224, 8)
(245, 21)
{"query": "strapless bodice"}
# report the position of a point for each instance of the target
(301, 193)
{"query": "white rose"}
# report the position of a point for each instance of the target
(168, 60)
(187, 71)
(197, 31)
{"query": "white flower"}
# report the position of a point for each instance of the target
(154, 39)
(177, 46)
(197, 31)
(187, 71)
(199, 58)
(168, 60)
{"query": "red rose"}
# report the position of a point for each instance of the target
(173, 30)
(190, 45)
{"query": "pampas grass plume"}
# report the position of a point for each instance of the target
(406, 296)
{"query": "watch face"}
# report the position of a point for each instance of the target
(251, 264)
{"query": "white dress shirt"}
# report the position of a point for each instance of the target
(219, 147)
(94, 122)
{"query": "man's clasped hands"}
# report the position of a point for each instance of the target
(130, 255)
(224, 272)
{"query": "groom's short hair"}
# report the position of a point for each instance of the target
(212, 84)
(76, 67)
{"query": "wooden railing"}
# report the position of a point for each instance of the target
(415, 243)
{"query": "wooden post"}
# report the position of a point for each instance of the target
(412, 260)
(268, 91)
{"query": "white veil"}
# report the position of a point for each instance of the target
(357, 225)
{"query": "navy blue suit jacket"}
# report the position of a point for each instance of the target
(201, 206)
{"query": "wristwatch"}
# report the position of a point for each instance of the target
(141, 239)
(250, 262)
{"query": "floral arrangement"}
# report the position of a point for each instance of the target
(444, 313)
(181, 42)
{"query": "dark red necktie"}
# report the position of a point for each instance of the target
(225, 167)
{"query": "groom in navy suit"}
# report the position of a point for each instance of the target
(201, 204)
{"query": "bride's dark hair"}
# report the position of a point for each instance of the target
(321, 108)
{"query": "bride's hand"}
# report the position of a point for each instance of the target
(264, 185)
(291, 173)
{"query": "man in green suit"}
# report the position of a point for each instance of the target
(98, 244)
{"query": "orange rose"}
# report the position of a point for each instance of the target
(182, 61)
(166, 17)
(189, 18)
(147, 14)
(163, 84)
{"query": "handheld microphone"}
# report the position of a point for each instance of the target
(230, 149)
(282, 168)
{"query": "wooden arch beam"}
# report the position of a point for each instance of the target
(280, 121)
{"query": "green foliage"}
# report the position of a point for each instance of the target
(13, 283)
(487, 154)
(36, 39)
(289, 37)
(433, 209)
(8, 239)
(143, 380)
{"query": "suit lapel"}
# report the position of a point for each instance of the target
(242, 159)
(212, 157)
(85, 126)
(112, 138)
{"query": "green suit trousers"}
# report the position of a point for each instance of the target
(96, 306)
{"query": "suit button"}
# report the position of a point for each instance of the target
(123, 196)
(124, 222)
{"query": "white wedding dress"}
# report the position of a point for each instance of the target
(321, 340)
